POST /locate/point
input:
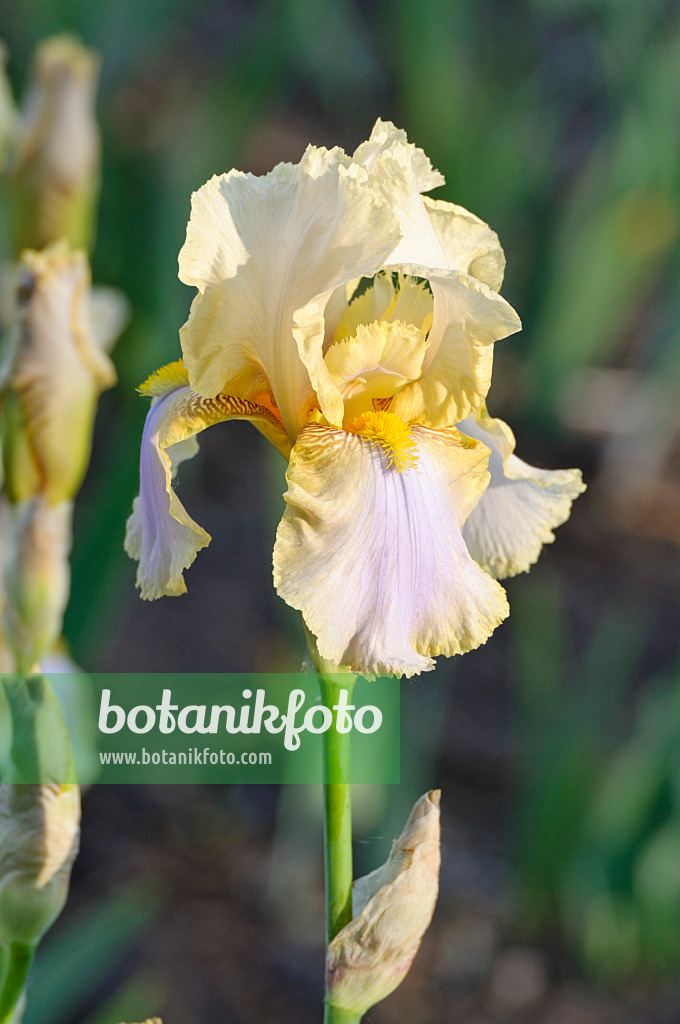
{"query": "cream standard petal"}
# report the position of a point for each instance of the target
(374, 558)
(470, 246)
(401, 172)
(266, 254)
(160, 534)
(468, 318)
(390, 297)
(522, 505)
(386, 137)
(374, 363)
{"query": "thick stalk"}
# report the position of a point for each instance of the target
(17, 963)
(337, 825)
(337, 810)
(334, 1015)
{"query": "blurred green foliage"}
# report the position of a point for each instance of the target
(598, 845)
(67, 976)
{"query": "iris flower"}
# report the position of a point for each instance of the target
(352, 319)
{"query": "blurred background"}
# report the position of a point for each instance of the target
(556, 745)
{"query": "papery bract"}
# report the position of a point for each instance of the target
(392, 909)
(39, 837)
(55, 366)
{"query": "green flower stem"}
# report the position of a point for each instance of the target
(16, 965)
(337, 825)
(334, 1015)
(337, 808)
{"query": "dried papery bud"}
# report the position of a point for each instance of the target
(36, 578)
(39, 834)
(392, 907)
(39, 813)
(54, 369)
(55, 170)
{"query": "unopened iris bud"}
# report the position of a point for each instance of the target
(392, 907)
(36, 578)
(39, 835)
(39, 816)
(55, 170)
(54, 369)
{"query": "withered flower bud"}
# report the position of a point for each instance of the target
(39, 834)
(392, 907)
(53, 370)
(55, 169)
(36, 578)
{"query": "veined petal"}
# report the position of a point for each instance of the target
(373, 303)
(462, 260)
(336, 308)
(386, 136)
(401, 172)
(374, 558)
(266, 255)
(160, 534)
(409, 301)
(470, 246)
(436, 234)
(522, 505)
(380, 358)
(468, 318)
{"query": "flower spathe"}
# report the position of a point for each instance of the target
(353, 321)
(55, 365)
(40, 832)
(392, 910)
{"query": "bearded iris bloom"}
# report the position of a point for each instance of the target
(352, 319)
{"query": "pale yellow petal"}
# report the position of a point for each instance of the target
(468, 318)
(374, 557)
(521, 507)
(408, 300)
(374, 363)
(435, 234)
(470, 246)
(401, 172)
(413, 303)
(386, 137)
(160, 534)
(266, 255)
(372, 304)
(336, 307)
